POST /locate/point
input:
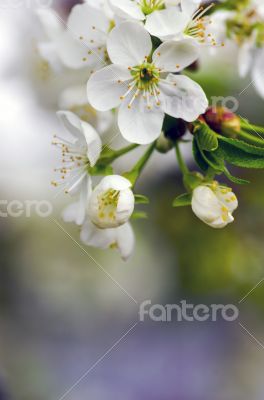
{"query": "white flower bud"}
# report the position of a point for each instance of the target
(214, 204)
(112, 202)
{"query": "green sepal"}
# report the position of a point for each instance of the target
(101, 169)
(207, 137)
(183, 200)
(139, 215)
(234, 179)
(141, 199)
(192, 179)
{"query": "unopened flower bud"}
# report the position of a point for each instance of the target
(164, 144)
(222, 121)
(214, 204)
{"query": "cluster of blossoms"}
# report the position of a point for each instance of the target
(131, 57)
(243, 23)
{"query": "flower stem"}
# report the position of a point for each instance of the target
(124, 150)
(182, 164)
(134, 174)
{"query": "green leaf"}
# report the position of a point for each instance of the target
(139, 215)
(198, 157)
(241, 154)
(182, 200)
(141, 199)
(206, 137)
(248, 148)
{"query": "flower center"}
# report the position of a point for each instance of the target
(108, 205)
(146, 76)
(198, 27)
(145, 80)
(149, 6)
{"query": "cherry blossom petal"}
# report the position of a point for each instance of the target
(128, 44)
(138, 124)
(173, 56)
(258, 74)
(105, 87)
(190, 6)
(94, 142)
(125, 239)
(181, 97)
(127, 9)
(162, 23)
(89, 23)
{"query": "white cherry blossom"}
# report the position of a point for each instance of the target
(112, 202)
(78, 155)
(140, 83)
(214, 204)
(189, 20)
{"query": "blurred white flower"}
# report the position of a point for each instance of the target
(74, 99)
(214, 204)
(78, 156)
(140, 85)
(82, 44)
(112, 202)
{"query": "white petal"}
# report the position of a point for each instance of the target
(52, 25)
(70, 212)
(89, 23)
(127, 9)
(227, 198)
(93, 236)
(104, 90)
(245, 59)
(258, 74)
(116, 182)
(190, 6)
(75, 183)
(72, 123)
(162, 23)
(138, 124)
(174, 56)
(76, 53)
(125, 240)
(128, 44)
(76, 212)
(94, 142)
(205, 204)
(183, 98)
